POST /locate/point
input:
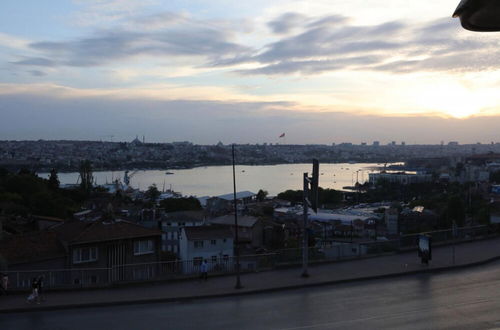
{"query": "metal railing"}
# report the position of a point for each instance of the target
(170, 270)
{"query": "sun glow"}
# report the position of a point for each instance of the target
(453, 100)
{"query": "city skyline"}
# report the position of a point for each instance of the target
(322, 72)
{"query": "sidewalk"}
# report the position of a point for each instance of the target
(466, 254)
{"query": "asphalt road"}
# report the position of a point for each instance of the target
(465, 299)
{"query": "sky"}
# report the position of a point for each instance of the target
(321, 71)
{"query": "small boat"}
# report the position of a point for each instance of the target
(242, 171)
(169, 173)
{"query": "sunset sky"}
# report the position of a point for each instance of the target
(232, 71)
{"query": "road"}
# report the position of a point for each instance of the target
(465, 299)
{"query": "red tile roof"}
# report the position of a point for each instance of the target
(35, 246)
(76, 232)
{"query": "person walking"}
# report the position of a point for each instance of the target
(40, 289)
(204, 270)
(4, 283)
(33, 297)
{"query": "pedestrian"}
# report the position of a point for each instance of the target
(204, 270)
(33, 297)
(4, 283)
(40, 289)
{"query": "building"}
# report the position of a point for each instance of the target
(399, 177)
(79, 253)
(34, 250)
(391, 218)
(224, 204)
(109, 245)
(250, 229)
(173, 222)
(211, 243)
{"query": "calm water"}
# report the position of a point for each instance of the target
(218, 180)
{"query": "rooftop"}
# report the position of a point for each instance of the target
(239, 195)
(35, 246)
(207, 232)
(228, 220)
(75, 232)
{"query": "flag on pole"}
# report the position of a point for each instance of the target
(282, 135)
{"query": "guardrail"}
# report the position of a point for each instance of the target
(169, 270)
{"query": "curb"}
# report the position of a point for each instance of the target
(249, 292)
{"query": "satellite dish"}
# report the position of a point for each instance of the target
(479, 15)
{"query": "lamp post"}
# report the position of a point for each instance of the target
(236, 241)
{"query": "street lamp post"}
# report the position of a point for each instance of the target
(236, 241)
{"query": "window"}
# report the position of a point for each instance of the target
(175, 248)
(214, 259)
(226, 258)
(143, 247)
(197, 261)
(87, 254)
(198, 244)
(213, 242)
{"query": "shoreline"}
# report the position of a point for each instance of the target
(46, 170)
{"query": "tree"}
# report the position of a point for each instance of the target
(152, 193)
(86, 176)
(261, 195)
(53, 180)
(455, 211)
(294, 196)
(495, 177)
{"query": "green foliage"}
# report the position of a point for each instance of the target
(86, 177)
(455, 211)
(53, 179)
(325, 196)
(180, 204)
(294, 196)
(25, 193)
(152, 193)
(329, 196)
(495, 177)
(261, 195)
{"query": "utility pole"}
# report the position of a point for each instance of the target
(310, 199)
(236, 241)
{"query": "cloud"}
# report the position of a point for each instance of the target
(300, 44)
(329, 43)
(35, 61)
(286, 22)
(37, 73)
(160, 36)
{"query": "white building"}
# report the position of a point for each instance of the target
(399, 177)
(211, 243)
(172, 224)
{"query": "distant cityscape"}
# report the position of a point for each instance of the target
(66, 155)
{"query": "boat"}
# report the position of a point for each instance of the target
(169, 173)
